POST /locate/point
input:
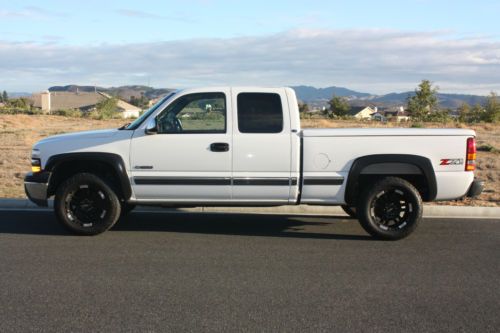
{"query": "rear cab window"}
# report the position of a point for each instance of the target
(260, 113)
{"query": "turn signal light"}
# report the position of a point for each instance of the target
(36, 165)
(470, 161)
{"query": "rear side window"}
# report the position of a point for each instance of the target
(260, 113)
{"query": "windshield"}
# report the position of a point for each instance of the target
(136, 123)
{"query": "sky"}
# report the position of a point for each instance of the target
(370, 46)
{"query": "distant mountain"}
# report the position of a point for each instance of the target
(452, 101)
(17, 94)
(75, 88)
(320, 96)
(123, 92)
(310, 94)
(316, 97)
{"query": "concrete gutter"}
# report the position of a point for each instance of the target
(429, 210)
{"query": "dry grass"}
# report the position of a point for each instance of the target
(19, 132)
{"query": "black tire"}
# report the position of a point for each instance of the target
(86, 205)
(351, 211)
(126, 209)
(391, 209)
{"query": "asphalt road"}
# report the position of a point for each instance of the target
(234, 272)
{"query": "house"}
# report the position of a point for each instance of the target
(397, 114)
(377, 116)
(362, 112)
(153, 101)
(84, 101)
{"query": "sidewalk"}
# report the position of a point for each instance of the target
(429, 210)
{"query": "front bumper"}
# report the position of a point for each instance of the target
(35, 186)
(476, 188)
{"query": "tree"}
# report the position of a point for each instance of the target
(141, 102)
(303, 107)
(107, 108)
(464, 113)
(423, 102)
(468, 114)
(476, 114)
(492, 109)
(19, 103)
(338, 106)
(4, 98)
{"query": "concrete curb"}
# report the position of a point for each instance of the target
(429, 210)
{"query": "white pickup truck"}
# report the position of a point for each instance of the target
(245, 147)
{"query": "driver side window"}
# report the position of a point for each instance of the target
(194, 113)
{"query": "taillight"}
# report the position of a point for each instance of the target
(470, 160)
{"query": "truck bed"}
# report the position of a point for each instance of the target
(322, 132)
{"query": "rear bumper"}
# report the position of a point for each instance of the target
(35, 186)
(476, 188)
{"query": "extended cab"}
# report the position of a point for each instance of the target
(245, 147)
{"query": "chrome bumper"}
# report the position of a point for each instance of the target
(35, 186)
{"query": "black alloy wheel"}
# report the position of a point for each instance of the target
(86, 204)
(391, 209)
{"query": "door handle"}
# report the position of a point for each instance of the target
(219, 146)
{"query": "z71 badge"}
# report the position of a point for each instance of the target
(452, 161)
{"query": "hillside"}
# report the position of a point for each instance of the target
(319, 96)
(452, 101)
(123, 92)
(311, 95)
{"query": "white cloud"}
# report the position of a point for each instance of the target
(29, 12)
(375, 61)
(139, 14)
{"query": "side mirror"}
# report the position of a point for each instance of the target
(151, 128)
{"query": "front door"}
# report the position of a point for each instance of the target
(189, 159)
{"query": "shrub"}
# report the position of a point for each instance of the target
(488, 148)
(10, 110)
(73, 113)
(106, 109)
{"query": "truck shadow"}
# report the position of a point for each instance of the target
(315, 227)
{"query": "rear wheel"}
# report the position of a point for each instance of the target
(86, 205)
(391, 209)
(351, 211)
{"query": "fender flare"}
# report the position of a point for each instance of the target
(115, 161)
(422, 163)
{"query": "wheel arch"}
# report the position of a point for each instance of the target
(418, 170)
(62, 166)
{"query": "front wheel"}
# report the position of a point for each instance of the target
(86, 205)
(391, 209)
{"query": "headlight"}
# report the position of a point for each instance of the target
(35, 153)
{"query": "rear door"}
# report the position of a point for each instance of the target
(262, 146)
